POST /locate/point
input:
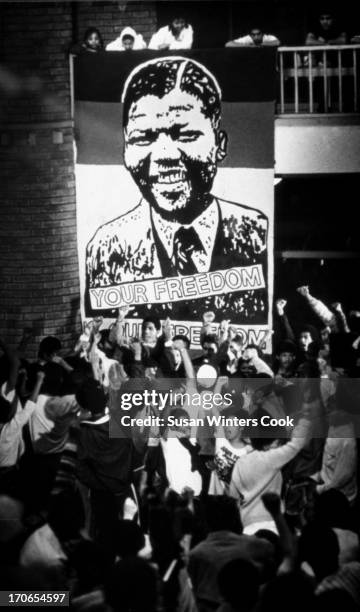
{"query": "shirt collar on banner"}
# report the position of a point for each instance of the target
(205, 225)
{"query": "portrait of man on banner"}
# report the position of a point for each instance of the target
(181, 249)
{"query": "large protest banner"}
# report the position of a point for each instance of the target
(175, 175)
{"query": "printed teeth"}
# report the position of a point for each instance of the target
(171, 177)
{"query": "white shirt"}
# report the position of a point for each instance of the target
(178, 466)
(205, 225)
(117, 44)
(49, 423)
(11, 439)
(225, 458)
(248, 41)
(164, 36)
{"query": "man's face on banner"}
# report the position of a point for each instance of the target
(171, 150)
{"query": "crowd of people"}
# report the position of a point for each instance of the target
(115, 486)
(179, 34)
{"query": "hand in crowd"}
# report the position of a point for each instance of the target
(280, 307)
(303, 290)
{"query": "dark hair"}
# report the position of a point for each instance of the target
(286, 346)
(151, 319)
(91, 396)
(128, 37)
(311, 329)
(209, 338)
(184, 338)
(244, 596)
(93, 30)
(54, 379)
(222, 513)
(259, 435)
(48, 346)
(333, 508)
(160, 76)
(238, 339)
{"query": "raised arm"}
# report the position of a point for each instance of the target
(286, 329)
(318, 307)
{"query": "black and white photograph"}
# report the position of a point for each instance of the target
(180, 305)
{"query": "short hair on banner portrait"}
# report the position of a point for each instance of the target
(159, 76)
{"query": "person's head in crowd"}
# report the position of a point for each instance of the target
(257, 36)
(209, 345)
(326, 20)
(177, 24)
(151, 330)
(128, 42)
(262, 437)
(325, 334)
(49, 348)
(323, 360)
(319, 547)
(333, 508)
(128, 539)
(307, 335)
(236, 345)
(234, 433)
(91, 397)
(53, 383)
(239, 583)
(171, 116)
(286, 356)
(66, 515)
(274, 539)
(177, 424)
(293, 591)
(222, 514)
(183, 339)
(132, 586)
(93, 40)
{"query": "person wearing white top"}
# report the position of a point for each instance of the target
(128, 40)
(256, 38)
(177, 35)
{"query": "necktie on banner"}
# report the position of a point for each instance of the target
(186, 244)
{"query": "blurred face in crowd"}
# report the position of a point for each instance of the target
(232, 432)
(177, 357)
(326, 21)
(150, 372)
(325, 335)
(322, 361)
(149, 333)
(235, 348)
(210, 348)
(171, 150)
(286, 359)
(177, 25)
(93, 41)
(304, 340)
(257, 36)
(128, 43)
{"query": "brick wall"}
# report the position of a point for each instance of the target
(38, 252)
(111, 17)
(38, 256)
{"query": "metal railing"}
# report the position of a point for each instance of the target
(319, 79)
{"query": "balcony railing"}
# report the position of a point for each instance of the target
(319, 79)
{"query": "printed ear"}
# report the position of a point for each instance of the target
(222, 141)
